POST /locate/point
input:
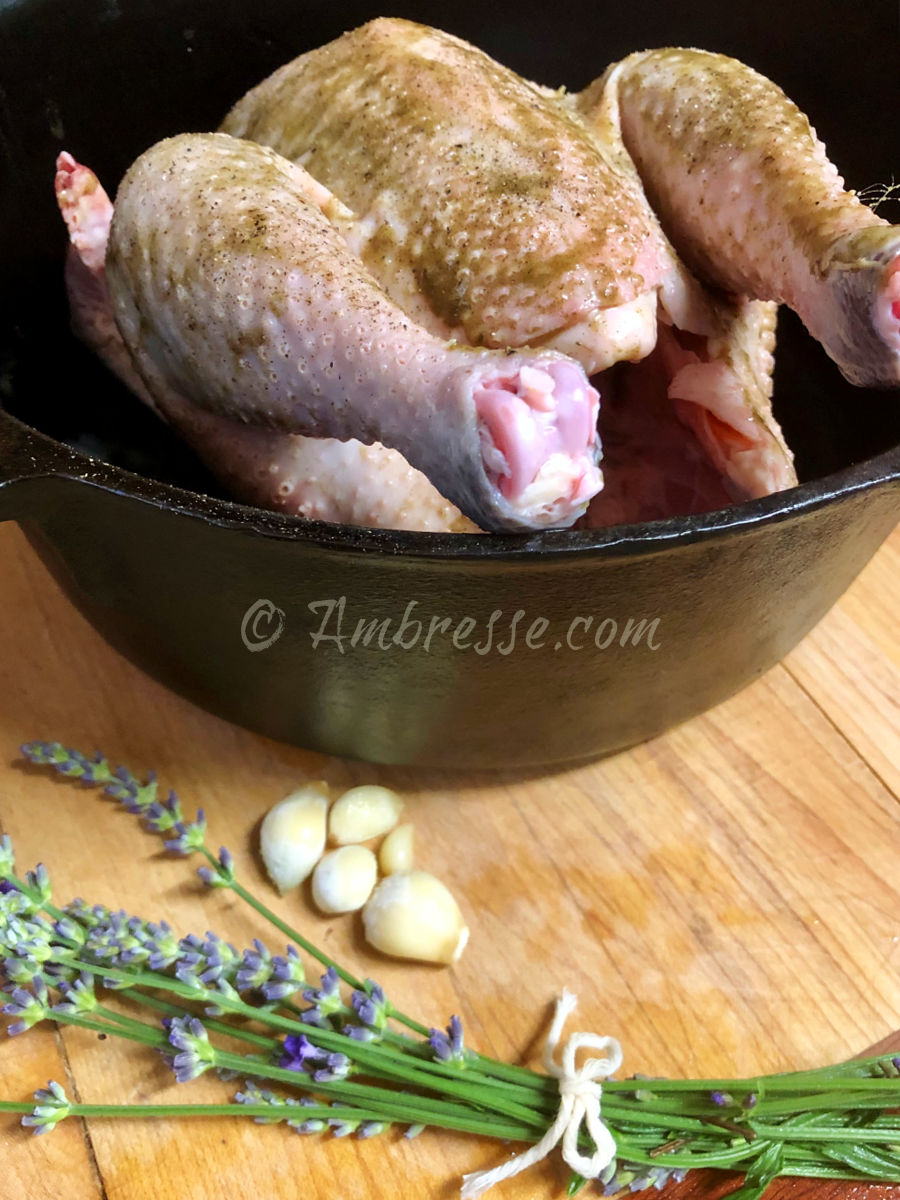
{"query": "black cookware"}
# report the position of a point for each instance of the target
(487, 651)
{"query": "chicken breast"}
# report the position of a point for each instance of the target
(319, 478)
(481, 207)
(747, 195)
(231, 287)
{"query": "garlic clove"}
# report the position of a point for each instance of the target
(362, 813)
(396, 851)
(343, 879)
(411, 914)
(292, 835)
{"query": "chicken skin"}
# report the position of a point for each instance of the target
(230, 286)
(482, 208)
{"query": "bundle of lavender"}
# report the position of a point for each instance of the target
(343, 1059)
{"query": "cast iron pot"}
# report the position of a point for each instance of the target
(409, 648)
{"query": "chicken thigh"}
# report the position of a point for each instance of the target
(318, 478)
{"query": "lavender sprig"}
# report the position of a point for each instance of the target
(352, 1072)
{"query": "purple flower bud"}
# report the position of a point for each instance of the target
(359, 1033)
(342, 1128)
(370, 1129)
(298, 1051)
(195, 1054)
(448, 1046)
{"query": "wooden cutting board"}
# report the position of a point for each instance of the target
(724, 899)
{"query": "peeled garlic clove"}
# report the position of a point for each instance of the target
(413, 915)
(343, 879)
(396, 852)
(292, 835)
(362, 813)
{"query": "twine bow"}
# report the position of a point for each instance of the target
(579, 1104)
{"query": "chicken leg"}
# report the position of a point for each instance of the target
(746, 193)
(231, 287)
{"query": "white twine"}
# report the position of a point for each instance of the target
(579, 1103)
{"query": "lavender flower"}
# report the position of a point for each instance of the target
(620, 1177)
(189, 836)
(337, 1067)
(162, 945)
(298, 1051)
(7, 857)
(134, 796)
(721, 1099)
(222, 875)
(253, 1094)
(67, 930)
(138, 798)
(117, 939)
(370, 1129)
(448, 1046)
(325, 1000)
(14, 907)
(195, 1053)
(287, 976)
(52, 1107)
(89, 916)
(255, 969)
(309, 1124)
(38, 885)
(30, 1007)
(21, 971)
(78, 996)
(341, 1128)
(70, 763)
(218, 959)
(371, 1006)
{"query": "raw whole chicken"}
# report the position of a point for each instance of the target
(433, 253)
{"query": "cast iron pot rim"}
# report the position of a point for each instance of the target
(44, 458)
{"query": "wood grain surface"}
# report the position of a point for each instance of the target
(724, 899)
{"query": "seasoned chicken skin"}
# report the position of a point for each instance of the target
(501, 211)
(231, 287)
(745, 191)
(480, 205)
(318, 478)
